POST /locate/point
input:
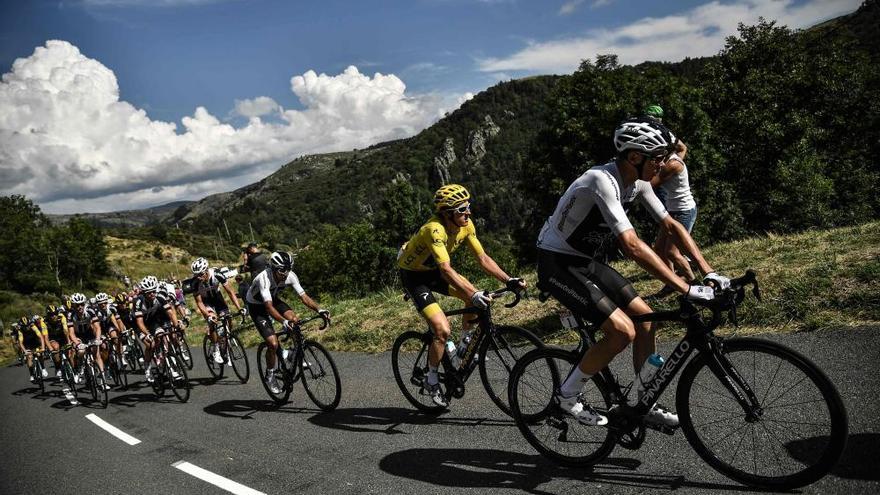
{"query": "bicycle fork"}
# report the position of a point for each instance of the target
(731, 379)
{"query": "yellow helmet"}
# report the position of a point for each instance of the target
(450, 196)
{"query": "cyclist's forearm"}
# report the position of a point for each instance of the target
(488, 264)
(308, 301)
(457, 281)
(232, 296)
(645, 257)
(270, 308)
(686, 244)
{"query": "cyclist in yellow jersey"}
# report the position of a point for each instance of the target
(55, 330)
(425, 268)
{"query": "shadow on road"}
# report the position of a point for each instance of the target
(245, 409)
(489, 468)
(387, 420)
(859, 460)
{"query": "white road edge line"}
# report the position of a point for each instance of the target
(215, 479)
(116, 432)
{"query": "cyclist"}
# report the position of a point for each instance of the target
(56, 326)
(31, 341)
(594, 203)
(209, 300)
(152, 311)
(111, 325)
(83, 326)
(264, 305)
(425, 267)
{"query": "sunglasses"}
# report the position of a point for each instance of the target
(466, 208)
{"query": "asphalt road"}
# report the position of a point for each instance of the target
(374, 442)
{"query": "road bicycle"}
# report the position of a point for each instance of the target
(493, 349)
(180, 347)
(87, 367)
(132, 351)
(36, 369)
(307, 360)
(168, 367)
(231, 349)
(67, 373)
(756, 411)
(115, 365)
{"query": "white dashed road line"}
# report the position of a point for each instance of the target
(116, 432)
(215, 479)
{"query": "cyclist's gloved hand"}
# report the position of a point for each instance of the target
(719, 281)
(324, 313)
(243, 311)
(701, 293)
(481, 299)
(515, 284)
(287, 324)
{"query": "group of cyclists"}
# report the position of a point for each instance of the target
(594, 205)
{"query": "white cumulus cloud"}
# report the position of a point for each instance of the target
(69, 142)
(695, 33)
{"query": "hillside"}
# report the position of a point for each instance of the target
(125, 218)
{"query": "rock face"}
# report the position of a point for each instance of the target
(476, 146)
(443, 161)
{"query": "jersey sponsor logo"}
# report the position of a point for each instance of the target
(565, 212)
(424, 296)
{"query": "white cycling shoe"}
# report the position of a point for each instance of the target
(272, 382)
(659, 415)
(218, 359)
(585, 414)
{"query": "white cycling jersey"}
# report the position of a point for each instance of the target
(264, 288)
(593, 205)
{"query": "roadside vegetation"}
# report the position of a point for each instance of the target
(811, 280)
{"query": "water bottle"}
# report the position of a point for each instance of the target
(452, 352)
(652, 364)
(463, 343)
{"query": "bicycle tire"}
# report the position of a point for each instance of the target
(555, 434)
(803, 389)
(67, 376)
(101, 385)
(498, 355)
(216, 370)
(91, 376)
(324, 390)
(183, 350)
(180, 385)
(38, 375)
(238, 355)
(282, 376)
(136, 354)
(409, 361)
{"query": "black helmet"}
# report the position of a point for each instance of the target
(281, 260)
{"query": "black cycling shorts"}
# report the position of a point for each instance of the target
(588, 288)
(420, 287)
(261, 318)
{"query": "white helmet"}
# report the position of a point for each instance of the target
(281, 260)
(643, 135)
(78, 298)
(199, 266)
(101, 298)
(149, 284)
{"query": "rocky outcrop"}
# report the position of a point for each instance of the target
(443, 161)
(476, 146)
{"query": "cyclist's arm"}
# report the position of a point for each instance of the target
(201, 306)
(454, 279)
(636, 250)
(308, 301)
(232, 295)
(491, 267)
(139, 322)
(96, 327)
(685, 243)
(172, 313)
(270, 308)
(117, 323)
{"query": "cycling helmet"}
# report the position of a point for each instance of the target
(23, 321)
(643, 135)
(121, 298)
(199, 266)
(149, 284)
(655, 111)
(51, 309)
(450, 196)
(102, 297)
(281, 260)
(78, 298)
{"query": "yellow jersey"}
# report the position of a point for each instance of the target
(432, 245)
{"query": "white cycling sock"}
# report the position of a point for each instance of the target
(575, 382)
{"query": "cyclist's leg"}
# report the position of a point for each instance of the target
(420, 286)
(263, 323)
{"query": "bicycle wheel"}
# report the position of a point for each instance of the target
(283, 377)
(409, 361)
(800, 430)
(215, 369)
(183, 351)
(101, 386)
(498, 355)
(38, 376)
(238, 355)
(534, 382)
(67, 376)
(180, 385)
(135, 354)
(320, 376)
(91, 376)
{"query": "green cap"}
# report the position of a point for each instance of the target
(655, 111)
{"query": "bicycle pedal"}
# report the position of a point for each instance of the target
(668, 430)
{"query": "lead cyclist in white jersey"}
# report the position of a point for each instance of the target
(592, 205)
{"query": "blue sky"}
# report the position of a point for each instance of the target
(141, 102)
